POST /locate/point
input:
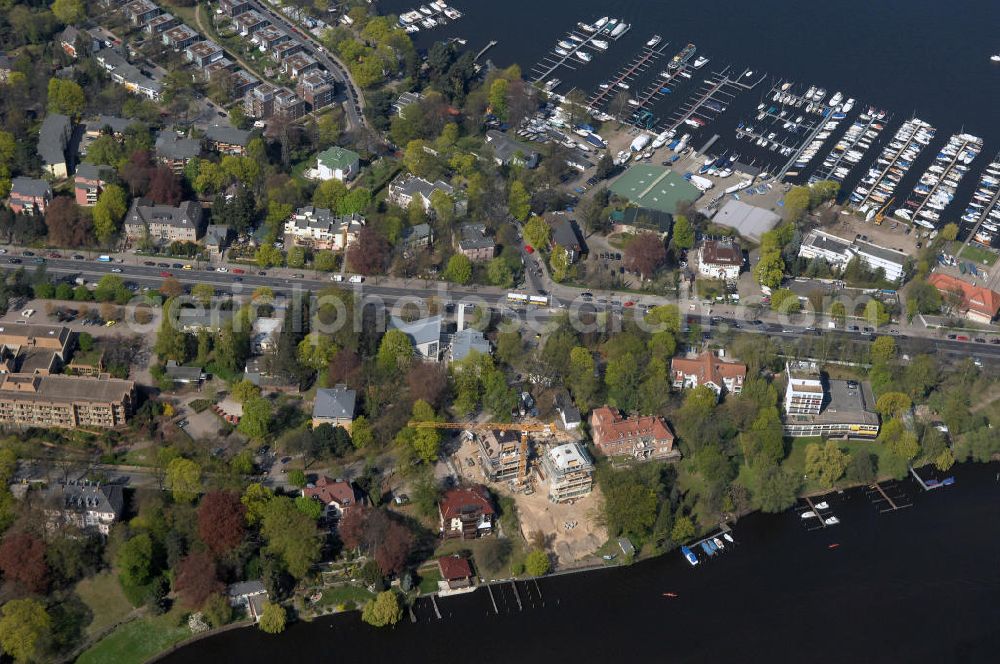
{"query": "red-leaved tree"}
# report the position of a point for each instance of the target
(221, 521)
(196, 579)
(378, 533)
(369, 254)
(22, 560)
(644, 254)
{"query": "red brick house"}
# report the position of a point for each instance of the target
(337, 496)
(467, 513)
(29, 195)
(455, 571)
(642, 438)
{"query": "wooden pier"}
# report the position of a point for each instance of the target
(483, 50)
(892, 163)
(636, 66)
(802, 146)
(894, 504)
(553, 61)
(714, 84)
(826, 172)
(437, 611)
(493, 599)
(941, 180)
(986, 212)
(812, 506)
(517, 596)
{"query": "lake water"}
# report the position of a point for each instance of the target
(920, 584)
(908, 57)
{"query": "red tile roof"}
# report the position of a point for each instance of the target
(707, 367)
(974, 298)
(608, 424)
(328, 491)
(714, 252)
(463, 501)
(454, 568)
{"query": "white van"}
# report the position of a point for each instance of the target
(356, 279)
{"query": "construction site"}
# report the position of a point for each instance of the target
(549, 474)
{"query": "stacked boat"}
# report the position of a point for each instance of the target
(983, 211)
(936, 188)
(878, 186)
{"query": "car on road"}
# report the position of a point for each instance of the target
(286, 459)
(980, 340)
(14, 260)
(952, 336)
(55, 255)
(238, 270)
(110, 323)
(78, 257)
(188, 267)
(165, 274)
(116, 269)
(961, 337)
(238, 280)
(149, 263)
(262, 273)
(298, 275)
(222, 269)
(28, 313)
(163, 265)
(39, 260)
(3, 251)
(529, 248)
(853, 328)
(27, 253)
(869, 329)
(178, 266)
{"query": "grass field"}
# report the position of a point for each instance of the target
(979, 255)
(104, 596)
(429, 580)
(342, 594)
(137, 641)
(654, 187)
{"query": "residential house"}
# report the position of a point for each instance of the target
(241, 82)
(88, 182)
(29, 195)
(67, 40)
(636, 220)
(160, 24)
(720, 259)
(249, 22)
(298, 64)
(320, 229)
(227, 140)
(180, 37)
(70, 402)
(569, 472)
(259, 102)
(564, 236)
(83, 505)
(977, 303)
(474, 243)
(424, 334)
(283, 50)
(163, 223)
(817, 406)
(233, 8)
(140, 12)
(642, 438)
(265, 334)
(510, 152)
(110, 124)
(455, 572)
(175, 151)
(468, 341)
(216, 239)
(499, 455)
(405, 100)
(336, 496)
(407, 187)
(317, 88)
(184, 375)
(710, 370)
(568, 412)
(53, 138)
(416, 237)
(249, 596)
(466, 513)
(337, 163)
(268, 37)
(203, 53)
(128, 75)
(195, 319)
(288, 105)
(222, 70)
(334, 406)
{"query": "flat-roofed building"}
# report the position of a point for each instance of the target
(65, 401)
(160, 24)
(128, 75)
(817, 406)
(140, 12)
(233, 8)
(473, 241)
(569, 472)
(242, 82)
(836, 251)
(298, 64)
(288, 105)
(268, 37)
(250, 22)
(203, 53)
(259, 102)
(499, 454)
(227, 140)
(180, 37)
(316, 88)
(282, 50)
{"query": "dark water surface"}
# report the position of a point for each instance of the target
(915, 585)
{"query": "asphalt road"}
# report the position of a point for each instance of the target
(353, 107)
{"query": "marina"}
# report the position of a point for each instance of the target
(816, 515)
(883, 501)
(852, 147)
(716, 94)
(936, 188)
(876, 190)
(429, 16)
(981, 218)
(569, 51)
(625, 77)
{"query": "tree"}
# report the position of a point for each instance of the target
(537, 232)
(629, 508)
(537, 563)
(459, 269)
(582, 378)
(519, 204)
(24, 624)
(369, 254)
(255, 499)
(899, 441)
(499, 273)
(171, 287)
(316, 351)
(297, 478)
(272, 618)
(296, 257)
(221, 521)
(383, 610)
(362, 434)
(770, 269)
(135, 561)
(394, 351)
(203, 293)
(256, 420)
(268, 256)
(862, 468)
(683, 530)
(776, 489)
(325, 261)
(66, 227)
(291, 535)
(797, 201)
(827, 463)
(109, 211)
(876, 313)
(22, 560)
(217, 610)
(559, 263)
(66, 97)
(183, 479)
(645, 254)
(883, 350)
(196, 579)
(310, 507)
(683, 232)
(893, 404)
(949, 232)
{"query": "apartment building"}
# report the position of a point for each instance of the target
(88, 182)
(53, 137)
(319, 228)
(29, 195)
(710, 370)
(176, 152)
(639, 438)
(569, 472)
(499, 455)
(475, 243)
(65, 401)
(818, 406)
(163, 223)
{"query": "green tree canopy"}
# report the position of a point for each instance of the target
(383, 610)
(272, 618)
(184, 479)
(24, 624)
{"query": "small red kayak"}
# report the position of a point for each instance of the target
(670, 595)
(833, 546)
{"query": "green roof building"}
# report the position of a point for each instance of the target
(337, 162)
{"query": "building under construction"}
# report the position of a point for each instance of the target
(568, 470)
(500, 454)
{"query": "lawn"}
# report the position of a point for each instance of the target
(429, 580)
(979, 255)
(136, 641)
(796, 460)
(104, 596)
(344, 594)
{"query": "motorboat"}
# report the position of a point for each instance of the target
(822, 505)
(729, 538)
(718, 543)
(623, 85)
(600, 44)
(561, 51)
(699, 62)
(565, 44)
(654, 41)
(425, 10)
(808, 515)
(689, 556)
(584, 56)
(995, 58)
(831, 521)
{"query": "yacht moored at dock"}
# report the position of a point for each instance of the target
(681, 58)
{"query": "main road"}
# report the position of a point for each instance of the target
(354, 108)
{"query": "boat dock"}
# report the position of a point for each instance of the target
(694, 109)
(923, 199)
(822, 514)
(826, 171)
(626, 75)
(797, 151)
(580, 38)
(878, 495)
(891, 157)
(990, 208)
(483, 50)
(930, 485)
